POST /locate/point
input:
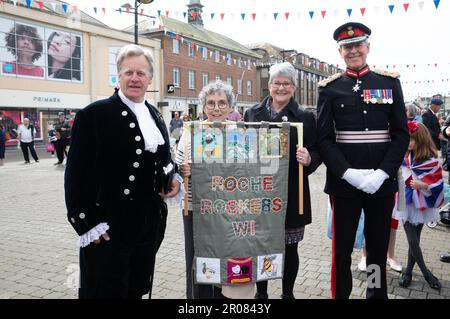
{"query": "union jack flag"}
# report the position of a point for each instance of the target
(429, 172)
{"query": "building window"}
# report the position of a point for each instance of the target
(239, 63)
(205, 79)
(176, 77)
(249, 88)
(176, 46)
(205, 53)
(217, 56)
(248, 64)
(191, 50)
(228, 58)
(217, 77)
(239, 86)
(230, 81)
(112, 66)
(191, 79)
(56, 55)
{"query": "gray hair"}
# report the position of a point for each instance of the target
(217, 86)
(131, 50)
(284, 69)
(411, 109)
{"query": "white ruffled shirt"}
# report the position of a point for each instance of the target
(151, 133)
(152, 138)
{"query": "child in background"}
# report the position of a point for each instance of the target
(424, 195)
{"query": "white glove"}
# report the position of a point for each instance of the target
(18, 145)
(356, 176)
(373, 181)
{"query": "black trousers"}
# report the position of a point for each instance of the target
(123, 267)
(25, 146)
(346, 213)
(61, 146)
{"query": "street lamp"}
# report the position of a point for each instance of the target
(137, 4)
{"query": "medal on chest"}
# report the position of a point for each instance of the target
(357, 86)
(378, 96)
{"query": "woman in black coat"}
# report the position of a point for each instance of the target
(277, 107)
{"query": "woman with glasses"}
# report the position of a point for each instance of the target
(217, 99)
(277, 107)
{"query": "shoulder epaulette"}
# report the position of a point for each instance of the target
(329, 79)
(394, 75)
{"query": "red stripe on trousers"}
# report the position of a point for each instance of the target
(333, 263)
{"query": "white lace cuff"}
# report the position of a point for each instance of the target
(175, 200)
(93, 234)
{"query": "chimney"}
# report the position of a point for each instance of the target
(195, 13)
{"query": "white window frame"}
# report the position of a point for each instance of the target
(191, 51)
(205, 79)
(230, 80)
(216, 56)
(176, 75)
(175, 46)
(218, 77)
(239, 86)
(191, 79)
(249, 88)
(228, 58)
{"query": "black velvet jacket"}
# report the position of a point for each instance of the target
(294, 113)
(104, 176)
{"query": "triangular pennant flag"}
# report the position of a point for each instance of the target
(127, 10)
(335, 13)
(435, 64)
(212, 15)
(243, 16)
(286, 14)
(311, 14)
(51, 3)
(436, 3)
(363, 10)
(95, 10)
(253, 16)
(323, 12)
(299, 14)
(177, 13)
(391, 7)
(406, 5)
(377, 9)
(104, 10)
(41, 5)
(75, 9)
(120, 10)
(167, 13)
(222, 15)
(28, 3)
(275, 15)
(232, 16)
(184, 14)
(15, 2)
(159, 13)
(264, 15)
(349, 12)
(420, 5)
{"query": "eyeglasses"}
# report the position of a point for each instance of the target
(357, 46)
(277, 85)
(210, 105)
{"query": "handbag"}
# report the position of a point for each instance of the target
(49, 147)
(167, 177)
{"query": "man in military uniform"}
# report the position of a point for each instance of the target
(363, 137)
(112, 184)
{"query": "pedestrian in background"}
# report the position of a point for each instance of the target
(431, 121)
(363, 137)
(63, 131)
(26, 134)
(2, 144)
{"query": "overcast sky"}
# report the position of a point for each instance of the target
(418, 36)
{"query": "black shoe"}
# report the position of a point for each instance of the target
(37, 161)
(261, 295)
(445, 258)
(287, 296)
(27, 162)
(59, 163)
(433, 281)
(405, 280)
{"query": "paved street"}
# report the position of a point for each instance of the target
(39, 254)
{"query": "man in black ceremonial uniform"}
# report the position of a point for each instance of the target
(112, 184)
(363, 137)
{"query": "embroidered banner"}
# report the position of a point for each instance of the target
(240, 185)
